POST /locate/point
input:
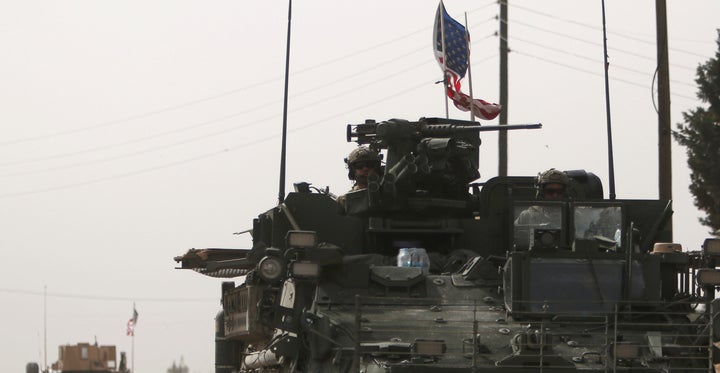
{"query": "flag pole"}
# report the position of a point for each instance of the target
(132, 345)
(441, 14)
(469, 70)
(45, 366)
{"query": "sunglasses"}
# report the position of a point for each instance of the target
(554, 191)
(359, 165)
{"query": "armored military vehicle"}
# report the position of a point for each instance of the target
(593, 285)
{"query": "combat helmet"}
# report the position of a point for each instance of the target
(362, 154)
(551, 176)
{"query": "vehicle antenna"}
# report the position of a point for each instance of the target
(281, 193)
(611, 166)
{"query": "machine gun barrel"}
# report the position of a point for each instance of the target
(448, 129)
(511, 127)
(373, 132)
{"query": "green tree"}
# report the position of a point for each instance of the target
(700, 134)
(178, 368)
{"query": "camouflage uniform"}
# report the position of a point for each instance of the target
(358, 155)
(540, 215)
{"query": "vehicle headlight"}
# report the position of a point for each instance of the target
(271, 268)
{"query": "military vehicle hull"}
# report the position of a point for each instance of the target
(596, 289)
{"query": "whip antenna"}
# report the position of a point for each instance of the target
(281, 193)
(611, 166)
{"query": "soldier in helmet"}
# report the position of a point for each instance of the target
(361, 163)
(550, 185)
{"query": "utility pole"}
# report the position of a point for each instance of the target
(664, 131)
(502, 135)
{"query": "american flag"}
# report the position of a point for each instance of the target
(131, 323)
(457, 50)
(453, 55)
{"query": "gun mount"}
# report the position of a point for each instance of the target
(429, 164)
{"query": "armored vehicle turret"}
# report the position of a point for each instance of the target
(514, 282)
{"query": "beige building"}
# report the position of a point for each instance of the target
(85, 357)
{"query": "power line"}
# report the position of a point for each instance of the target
(382, 64)
(254, 142)
(379, 65)
(200, 157)
(619, 34)
(389, 42)
(592, 72)
(593, 43)
(225, 131)
(174, 107)
(591, 59)
(222, 94)
(130, 117)
(101, 297)
(204, 123)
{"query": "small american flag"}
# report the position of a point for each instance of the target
(131, 323)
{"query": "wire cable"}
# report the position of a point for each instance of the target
(619, 34)
(185, 104)
(102, 297)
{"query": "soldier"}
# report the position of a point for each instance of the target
(550, 185)
(361, 162)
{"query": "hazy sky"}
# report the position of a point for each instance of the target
(131, 131)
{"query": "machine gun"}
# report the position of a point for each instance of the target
(429, 163)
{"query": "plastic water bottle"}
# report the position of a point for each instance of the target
(413, 257)
(404, 258)
(420, 259)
